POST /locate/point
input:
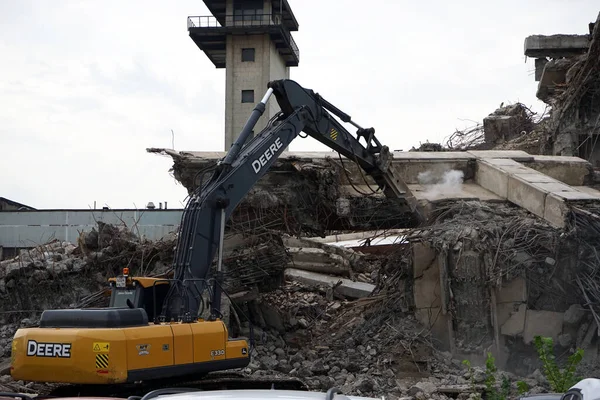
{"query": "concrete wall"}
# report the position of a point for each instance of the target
(499, 314)
(21, 229)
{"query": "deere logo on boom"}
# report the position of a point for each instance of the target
(267, 155)
(35, 349)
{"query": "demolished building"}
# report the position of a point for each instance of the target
(507, 243)
(567, 68)
(508, 252)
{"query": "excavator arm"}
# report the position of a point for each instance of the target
(209, 207)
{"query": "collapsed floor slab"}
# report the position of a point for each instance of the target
(346, 287)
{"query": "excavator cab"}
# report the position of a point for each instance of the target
(138, 292)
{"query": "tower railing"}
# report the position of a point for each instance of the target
(245, 20)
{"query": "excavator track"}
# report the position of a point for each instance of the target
(212, 381)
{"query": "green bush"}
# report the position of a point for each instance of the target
(491, 391)
(560, 379)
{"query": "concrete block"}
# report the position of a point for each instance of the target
(318, 257)
(492, 178)
(348, 288)
(515, 324)
(427, 289)
(532, 196)
(555, 211)
(502, 128)
(556, 205)
(542, 323)
(556, 45)
(572, 171)
(324, 268)
(424, 257)
(513, 291)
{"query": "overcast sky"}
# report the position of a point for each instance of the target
(87, 86)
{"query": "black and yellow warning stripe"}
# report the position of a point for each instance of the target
(101, 361)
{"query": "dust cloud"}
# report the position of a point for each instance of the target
(441, 184)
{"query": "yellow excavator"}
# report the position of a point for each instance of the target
(152, 328)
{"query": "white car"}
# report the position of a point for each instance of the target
(248, 394)
(587, 389)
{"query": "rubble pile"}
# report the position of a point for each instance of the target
(252, 259)
(509, 127)
(509, 239)
(64, 275)
(299, 196)
(370, 347)
(370, 344)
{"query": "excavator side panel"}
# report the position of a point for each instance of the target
(183, 343)
(74, 355)
(119, 355)
(149, 347)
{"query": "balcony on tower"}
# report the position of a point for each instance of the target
(245, 17)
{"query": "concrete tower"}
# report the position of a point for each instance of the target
(252, 40)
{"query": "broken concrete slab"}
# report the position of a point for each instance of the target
(528, 188)
(556, 46)
(348, 288)
(507, 123)
(318, 260)
(352, 258)
(542, 323)
(532, 196)
(492, 178)
(556, 205)
(324, 268)
(573, 171)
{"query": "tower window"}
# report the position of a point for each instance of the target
(248, 54)
(247, 96)
(248, 10)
